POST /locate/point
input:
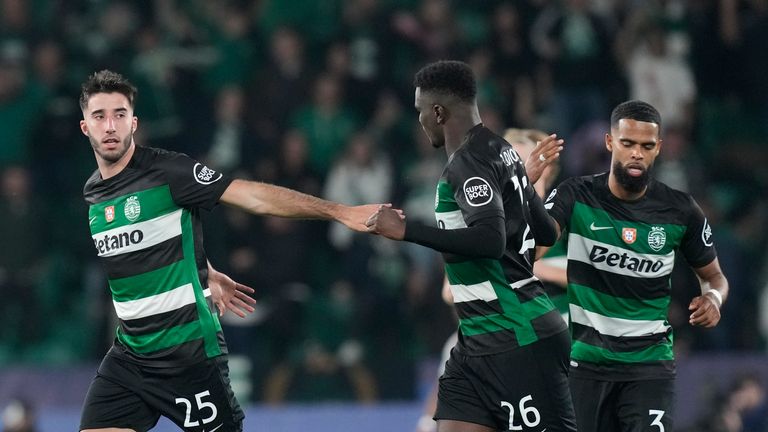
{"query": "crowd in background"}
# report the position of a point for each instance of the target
(317, 95)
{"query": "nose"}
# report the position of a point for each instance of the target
(110, 125)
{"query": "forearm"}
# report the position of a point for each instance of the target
(267, 199)
(543, 227)
(484, 240)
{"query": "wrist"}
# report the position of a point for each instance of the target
(715, 294)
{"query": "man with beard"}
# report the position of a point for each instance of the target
(509, 368)
(623, 230)
(169, 356)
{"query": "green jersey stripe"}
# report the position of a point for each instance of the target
(615, 259)
(138, 236)
(524, 331)
(152, 283)
(474, 272)
(618, 307)
(601, 226)
(166, 338)
(158, 303)
(618, 327)
(585, 352)
(444, 201)
(141, 206)
(208, 320)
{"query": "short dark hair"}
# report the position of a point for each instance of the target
(635, 110)
(106, 81)
(449, 77)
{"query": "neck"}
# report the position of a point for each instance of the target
(458, 126)
(622, 193)
(110, 169)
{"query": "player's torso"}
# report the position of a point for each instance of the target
(620, 258)
(149, 248)
(500, 304)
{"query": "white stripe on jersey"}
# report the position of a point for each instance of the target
(153, 305)
(618, 260)
(465, 293)
(451, 220)
(122, 239)
(616, 326)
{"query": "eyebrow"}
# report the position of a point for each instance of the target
(101, 110)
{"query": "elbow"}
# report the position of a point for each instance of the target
(548, 239)
(495, 248)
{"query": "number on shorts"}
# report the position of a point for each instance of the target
(657, 420)
(200, 406)
(525, 413)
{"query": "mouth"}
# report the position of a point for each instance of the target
(635, 169)
(110, 142)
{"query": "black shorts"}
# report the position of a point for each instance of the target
(197, 398)
(524, 389)
(623, 406)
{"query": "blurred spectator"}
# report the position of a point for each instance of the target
(656, 74)
(732, 410)
(279, 87)
(576, 43)
(22, 261)
(18, 416)
(20, 102)
(326, 122)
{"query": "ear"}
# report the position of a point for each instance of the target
(609, 142)
(134, 124)
(440, 114)
(83, 127)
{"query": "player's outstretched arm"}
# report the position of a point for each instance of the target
(267, 199)
(705, 309)
(229, 295)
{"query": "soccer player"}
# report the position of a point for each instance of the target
(624, 229)
(169, 356)
(508, 370)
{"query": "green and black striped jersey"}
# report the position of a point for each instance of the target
(147, 232)
(620, 260)
(501, 305)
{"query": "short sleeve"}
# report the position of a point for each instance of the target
(193, 184)
(560, 203)
(697, 245)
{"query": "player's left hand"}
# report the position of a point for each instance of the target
(705, 312)
(387, 222)
(229, 295)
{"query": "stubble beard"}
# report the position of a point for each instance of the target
(114, 155)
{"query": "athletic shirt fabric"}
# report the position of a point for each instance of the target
(146, 228)
(620, 260)
(500, 304)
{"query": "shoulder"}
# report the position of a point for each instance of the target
(672, 197)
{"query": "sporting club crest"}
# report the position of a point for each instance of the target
(132, 208)
(657, 238)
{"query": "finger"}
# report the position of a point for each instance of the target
(246, 298)
(244, 306)
(244, 288)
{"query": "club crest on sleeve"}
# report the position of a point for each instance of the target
(205, 175)
(477, 191)
(629, 235)
(657, 238)
(109, 213)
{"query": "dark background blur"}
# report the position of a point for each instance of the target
(317, 96)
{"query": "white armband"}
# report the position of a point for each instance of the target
(718, 297)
